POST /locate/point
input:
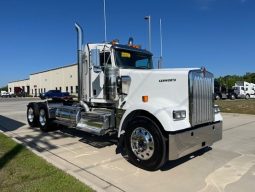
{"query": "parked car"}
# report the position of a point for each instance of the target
(55, 94)
(5, 94)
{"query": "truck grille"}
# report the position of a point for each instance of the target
(201, 103)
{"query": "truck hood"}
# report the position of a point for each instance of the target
(163, 85)
(169, 90)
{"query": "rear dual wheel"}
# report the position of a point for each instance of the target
(45, 122)
(32, 118)
(37, 115)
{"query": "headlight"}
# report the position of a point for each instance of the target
(216, 109)
(178, 115)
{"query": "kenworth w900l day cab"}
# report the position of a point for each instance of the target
(157, 114)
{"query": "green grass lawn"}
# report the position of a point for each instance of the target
(237, 106)
(22, 170)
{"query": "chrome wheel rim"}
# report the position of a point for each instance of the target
(142, 143)
(30, 115)
(42, 117)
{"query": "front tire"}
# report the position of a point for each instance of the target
(145, 144)
(217, 97)
(232, 97)
(247, 96)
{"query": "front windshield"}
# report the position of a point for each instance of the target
(133, 60)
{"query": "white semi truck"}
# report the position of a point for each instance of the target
(243, 89)
(157, 114)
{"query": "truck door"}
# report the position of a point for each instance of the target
(99, 59)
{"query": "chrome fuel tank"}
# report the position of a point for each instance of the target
(70, 114)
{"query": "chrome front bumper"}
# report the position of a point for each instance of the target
(191, 140)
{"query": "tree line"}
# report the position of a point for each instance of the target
(5, 88)
(229, 80)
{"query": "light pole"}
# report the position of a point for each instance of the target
(149, 19)
(105, 37)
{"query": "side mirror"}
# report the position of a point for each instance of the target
(123, 84)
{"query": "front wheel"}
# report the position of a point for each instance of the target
(233, 97)
(217, 97)
(145, 144)
(247, 96)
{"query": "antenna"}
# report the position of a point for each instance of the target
(149, 19)
(160, 30)
(105, 37)
(161, 47)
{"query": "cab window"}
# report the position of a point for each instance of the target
(105, 59)
(133, 60)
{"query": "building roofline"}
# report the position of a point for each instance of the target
(54, 69)
(18, 80)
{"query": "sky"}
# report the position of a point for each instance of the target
(38, 35)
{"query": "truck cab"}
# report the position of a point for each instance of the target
(110, 59)
(244, 89)
(156, 114)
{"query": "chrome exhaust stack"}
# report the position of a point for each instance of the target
(79, 60)
(80, 66)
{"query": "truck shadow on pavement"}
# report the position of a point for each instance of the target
(7, 124)
(90, 139)
(174, 163)
(35, 138)
(41, 141)
(32, 137)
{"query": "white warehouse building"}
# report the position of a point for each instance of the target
(61, 78)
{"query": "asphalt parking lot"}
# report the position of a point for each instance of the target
(228, 166)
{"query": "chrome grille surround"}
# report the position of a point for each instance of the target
(201, 102)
